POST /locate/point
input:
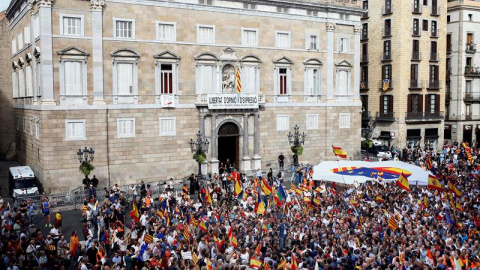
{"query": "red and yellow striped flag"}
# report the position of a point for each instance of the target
(239, 81)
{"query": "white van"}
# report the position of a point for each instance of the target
(22, 181)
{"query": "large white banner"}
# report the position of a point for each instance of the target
(232, 101)
(349, 172)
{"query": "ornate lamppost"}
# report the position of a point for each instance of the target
(296, 139)
(199, 149)
(85, 157)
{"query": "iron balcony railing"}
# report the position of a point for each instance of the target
(471, 48)
(385, 116)
(424, 116)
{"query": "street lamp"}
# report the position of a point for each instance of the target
(85, 155)
(199, 148)
(296, 139)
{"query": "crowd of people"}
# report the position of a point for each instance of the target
(239, 222)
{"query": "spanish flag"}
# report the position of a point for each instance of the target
(233, 241)
(294, 265)
(209, 264)
(258, 249)
(282, 264)
(203, 226)
(230, 231)
(402, 182)
(208, 197)
(458, 207)
(379, 199)
(134, 213)
(261, 208)
(428, 162)
(338, 151)
(266, 189)
(254, 263)
(238, 186)
(433, 183)
(453, 189)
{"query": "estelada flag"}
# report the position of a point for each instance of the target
(294, 265)
(203, 226)
(338, 151)
(134, 213)
(402, 182)
(148, 238)
(254, 263)
(452, 188)
(433, 183)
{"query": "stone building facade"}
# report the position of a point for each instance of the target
(7, 132)
(463, 72)
(136, 80)
(403, 70)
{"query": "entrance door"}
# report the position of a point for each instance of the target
(467, 133)
(228, 144)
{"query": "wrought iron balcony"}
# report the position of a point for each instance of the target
(434, 84)
(415, 84)
(471, 48)
(416, 56)
(472, 71)
(387, 56)
(435, 11)
(424, 116)
(471, 97)
(385, 116)
(434, 57)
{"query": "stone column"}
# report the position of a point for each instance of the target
(213, 152)
(246, 158)
(357, 30)
(96, 7)
(257, 160)
(330, 66)
(33, 62)
(202, 130)
(45, 18)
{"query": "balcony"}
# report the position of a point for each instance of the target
(471, 48)
(386, 85)
(387, 56)
(416, 56)
(435, 11)
(472, 71)
(471, 97)
(366, 115)
(385, 117)
(364, 58)
(434, 84)
(434, 57)
(416, 31)
(364, 37)
(417, 9)
(434, 33)
(365, 15)
(364, 85)
(387, 32)
(415, 84)
(424, 116)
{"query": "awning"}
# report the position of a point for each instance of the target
(349, 172)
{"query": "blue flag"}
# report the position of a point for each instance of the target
(142, 250)
(281, 193)
(448, 218)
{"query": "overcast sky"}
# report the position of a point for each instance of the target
(4, 4)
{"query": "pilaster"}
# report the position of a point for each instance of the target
(330, 69)
(256, 159)
(246, 161)
(357, 30)
(45, 20)
(213, 152)
(96, 7)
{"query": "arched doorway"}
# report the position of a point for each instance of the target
(228, 143)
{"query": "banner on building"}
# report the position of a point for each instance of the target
(232, 101)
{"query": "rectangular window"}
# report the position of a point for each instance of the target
(29, 81)
(38, 73)
(125, 78)
(388, 6)
(126, 128)
(167, 126)
(36, 25)
(415, 104)
(37, 129)
(386, 105)
(166, 31)
(313, 42)
(364, 77)
(26, 33)
(414, 83)
(17, 123)
(387, 72)
(206, 79)
(166, 77)
(20, 41)
(14, 46)
(72, 26)
(313, 81)
(75, 130)
(73, 78)
(365, 31)
(21, 83)
(425, 25)
(24, 125)
(249, 76)
(431, 106)
(387, 50)
(416, 27)
(344, 45)
(344, 120)
(124, 28)
(249, 37)
(312, 121)
(283, 81)
(283, 122)
(468, 87)
(434, 29)
(282, 39)
(206, 34)
(387, 28)
(31, 126)
(15, 84)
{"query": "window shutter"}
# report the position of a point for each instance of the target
(427, 104)
(276, 81)
(382, 108)
(69, 84)
(409, 103)
(27, 34)
(78, 78)
(437, 103)
(289, 81)
(420, 104)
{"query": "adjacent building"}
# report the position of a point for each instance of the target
(463, 72)
(136, 80)
(403, 60)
